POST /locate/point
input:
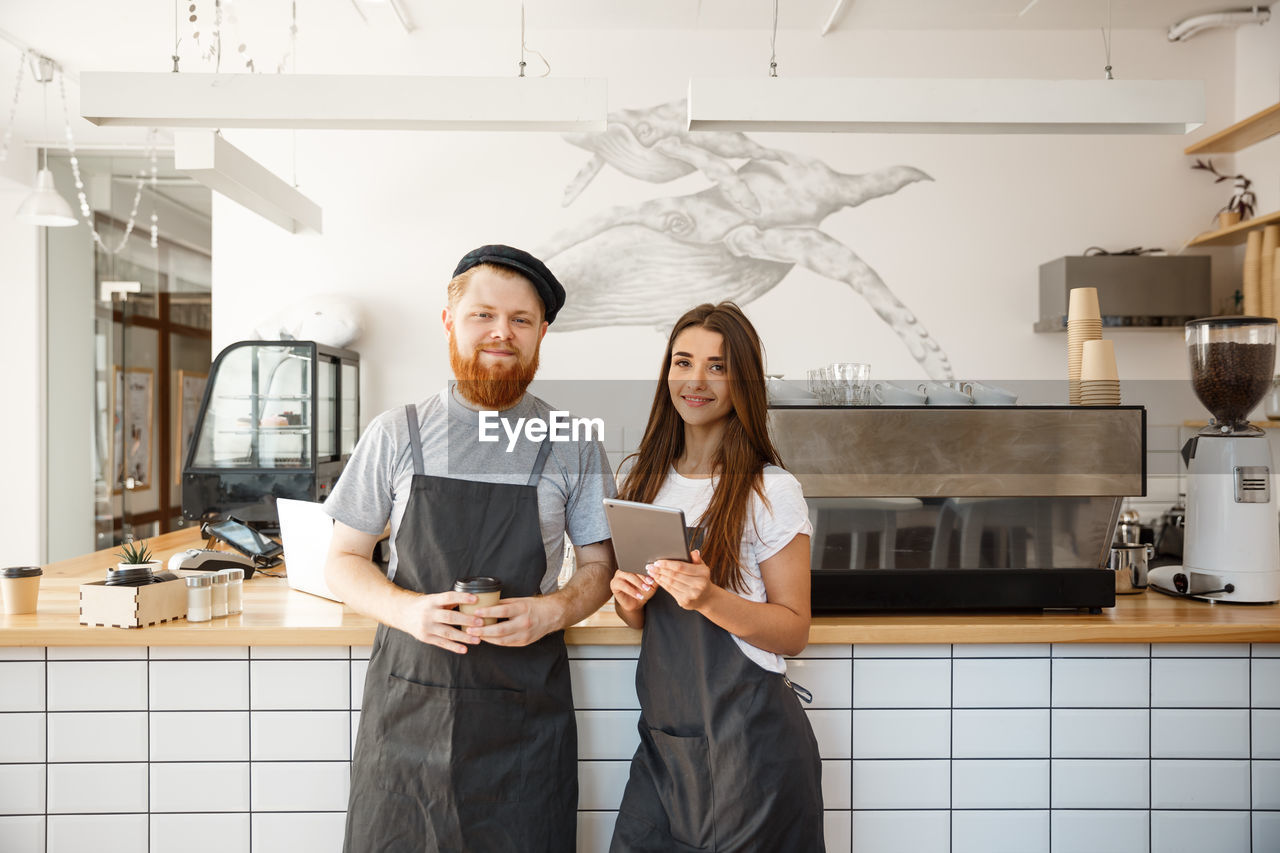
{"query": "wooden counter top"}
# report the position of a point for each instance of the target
(275, 615)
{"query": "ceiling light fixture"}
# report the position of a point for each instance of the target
(947, 105)
(44, 206)
(219, 165)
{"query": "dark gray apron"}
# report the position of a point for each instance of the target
(727, 759)
(472, 752)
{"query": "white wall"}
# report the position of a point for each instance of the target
(962, 251)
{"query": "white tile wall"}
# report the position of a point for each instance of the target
(1100, 784)
(1200, 682)
(902, 832)
(1016, 784)
(199, 652)
(200, 736)
(901, 734)
(300, 684)
(314, 833)
(1000, 733)
(902, 683)
(22, 833)
(901, 784)
(22, 686)
(1266, 831)
(1266, 734)
(200, 833)
(313, 786)
(594, 830)
(604, 684)
(97, 685)
(600, 784)
(213, 685)
(1200, 784)
(359, 669)
(22, 788)
(1111, 831)
(300, 652)
(837, 829)
(97, 788)
(823, 650)
(837, 781)
(22, 653)
(889, 650)
(1000, 832)
(1266, 683)
(23, 738)
(832, 731)
(607, 734)
(1001, 650)
(300, 735)
(830, 681)
(1101, 650)
(1101, 683)
(97, 653)
(1001, 683)
(89, 736)
(1186, 733)
(99, 833)
(1101, 732)
(1200, 832)
(214, 787)
(1199, 650)
(1266, 785)
(607, 652)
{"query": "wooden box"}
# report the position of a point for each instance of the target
(132, 606)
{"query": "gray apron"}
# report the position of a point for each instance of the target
(472, 752)
(727, 759)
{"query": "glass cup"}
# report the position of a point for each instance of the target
(849, 379)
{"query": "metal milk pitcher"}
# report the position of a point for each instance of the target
(1129, 562)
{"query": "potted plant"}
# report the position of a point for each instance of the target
(1242, 202)
(136, 565)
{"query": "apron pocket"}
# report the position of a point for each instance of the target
(451, 742)
(682, 774)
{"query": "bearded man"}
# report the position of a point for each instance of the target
(467, 739)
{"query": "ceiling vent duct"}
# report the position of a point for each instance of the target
(1189, 27)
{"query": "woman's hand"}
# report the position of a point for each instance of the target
(631, 591)
(689, 583)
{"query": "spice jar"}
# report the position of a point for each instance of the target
(199, 598)
(235, 589)
(219, 596)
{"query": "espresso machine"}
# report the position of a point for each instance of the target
(1231, 549)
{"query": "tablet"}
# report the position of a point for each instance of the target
(643, 533)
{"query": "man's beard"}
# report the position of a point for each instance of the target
(499, 387)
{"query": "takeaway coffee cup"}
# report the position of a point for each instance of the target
(486, 590)
(21, 588)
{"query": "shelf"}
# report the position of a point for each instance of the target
(1236, 234)
(1240, 135)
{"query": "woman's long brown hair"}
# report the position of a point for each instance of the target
(744, 449)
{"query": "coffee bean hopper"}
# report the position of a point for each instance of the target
(1232, 542)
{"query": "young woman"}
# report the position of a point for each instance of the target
(727, 760)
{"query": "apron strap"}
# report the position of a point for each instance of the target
(804, 694)
(415, 439)
(543, 452)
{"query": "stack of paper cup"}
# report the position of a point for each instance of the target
(1099, 379)
(1253, 304)
(1084, 323)
(1268, 279)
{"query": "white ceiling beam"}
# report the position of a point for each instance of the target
(223, 168)
(344, 102)
(905, 105)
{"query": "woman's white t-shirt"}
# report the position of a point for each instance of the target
(769, 528)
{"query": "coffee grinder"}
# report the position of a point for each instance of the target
(1232, 542)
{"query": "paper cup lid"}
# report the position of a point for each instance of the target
(477, 584)
(21, 572)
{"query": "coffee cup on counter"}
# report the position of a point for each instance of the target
(888, 394)
(488, 591)
(20, 588)
(942, 394)
(991, 395)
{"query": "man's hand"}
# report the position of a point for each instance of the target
(431, 619)
(631, 591)
(525, 621)
(689, 583)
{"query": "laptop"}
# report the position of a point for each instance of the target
(305, 531)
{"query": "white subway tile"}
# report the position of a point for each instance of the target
(901, 734)
(1199, 784)
(604, 684)
(355, 730)
(1199, 832)
(97, 653)
(363, 652)
(200, 833)
(8, 653)
(1265, 650)
(830, 681)
(300, 735)
(1199, 650)
(312, 786)
(630, 651)
(1000, 832)
(200, 736)
(1101, 732)
(1101, 650)
(825, 650)
(217, 787)
(97, 788)
(903, 650)
(1097, 683)
(97, 685)
(832, 730)
(22, 686)
(984, 683)
(902, 832)
(1001, 650)
(902, 683)
(22, 740)
(85, 737)
(1109, 831)
(1266, 734)
(1266, 683)
(22, 788)
(1022, 784)
(303, 685)
(314, 833)
(1000, 733)
(99, 833)
(1188, 733)
(1100, 784)
(300, 653)
(199, 652)
(359, 669)
(607, 735)
(22, 833)
(595, 830)
(600, 784)
(837, 831)
(1266, 831)
(836, 781)
(1266, 785)
(215, 685)
(1201, 683)
(901, 784)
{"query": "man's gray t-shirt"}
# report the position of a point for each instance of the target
(375, 484)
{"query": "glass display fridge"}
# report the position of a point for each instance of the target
(279, 419)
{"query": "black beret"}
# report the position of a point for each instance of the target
(542, 279)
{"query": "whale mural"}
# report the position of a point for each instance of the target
(645, 264)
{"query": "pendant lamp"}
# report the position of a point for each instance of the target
(44, 206)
